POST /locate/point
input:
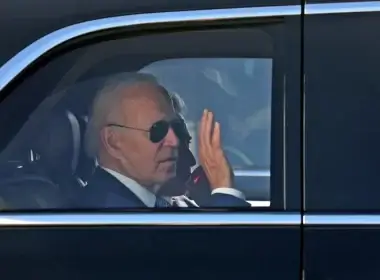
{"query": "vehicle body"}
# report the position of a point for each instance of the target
(320, 152)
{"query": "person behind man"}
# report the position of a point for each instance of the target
(186, 160)
(193, 184)
(133, 133)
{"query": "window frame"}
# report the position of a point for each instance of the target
(14, 68)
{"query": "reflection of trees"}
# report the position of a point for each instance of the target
(222, 79)
(237, 90)
(260, 119)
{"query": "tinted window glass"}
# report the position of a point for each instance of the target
(240, 98)
(241, 83)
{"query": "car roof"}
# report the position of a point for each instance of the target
(22, 22)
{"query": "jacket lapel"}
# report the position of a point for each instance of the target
(115, 193)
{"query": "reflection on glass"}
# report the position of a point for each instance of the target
(237, 90)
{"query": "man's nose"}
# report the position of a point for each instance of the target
(171, 139)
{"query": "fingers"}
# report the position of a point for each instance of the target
(215, 141)
(209, 132)
(211, 154)
(208, 127)
(204, 136)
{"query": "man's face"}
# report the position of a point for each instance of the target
(178, 185)
(141, 159)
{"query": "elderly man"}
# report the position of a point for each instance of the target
(134, 133)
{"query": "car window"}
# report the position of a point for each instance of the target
(242, 83)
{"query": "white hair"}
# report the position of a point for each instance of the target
(178, 104)
(105, 102)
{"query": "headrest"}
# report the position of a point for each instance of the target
(58, 143)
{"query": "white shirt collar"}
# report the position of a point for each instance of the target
(147, 197)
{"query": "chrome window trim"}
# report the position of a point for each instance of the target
(151, 219)
(11, 69)
(342, 8)
(252, 173)
(188, 219)
(341, 219)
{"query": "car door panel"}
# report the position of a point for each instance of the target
(264, 242)
(341, 141)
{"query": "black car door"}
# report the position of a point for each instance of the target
(342, 141)
(243, 63)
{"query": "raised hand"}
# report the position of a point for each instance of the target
(211, 155)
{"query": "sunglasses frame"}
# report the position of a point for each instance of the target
(180, 131)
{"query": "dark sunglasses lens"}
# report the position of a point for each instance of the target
(158, 131)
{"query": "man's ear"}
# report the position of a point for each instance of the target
(111, 142)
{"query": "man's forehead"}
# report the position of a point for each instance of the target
(145, 92)
(148, 100)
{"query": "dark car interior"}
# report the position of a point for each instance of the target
(55, 168)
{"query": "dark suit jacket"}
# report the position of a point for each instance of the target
(105, 191)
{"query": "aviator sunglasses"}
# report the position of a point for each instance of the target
(159, 130)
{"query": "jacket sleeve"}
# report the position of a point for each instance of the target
(227, 200)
